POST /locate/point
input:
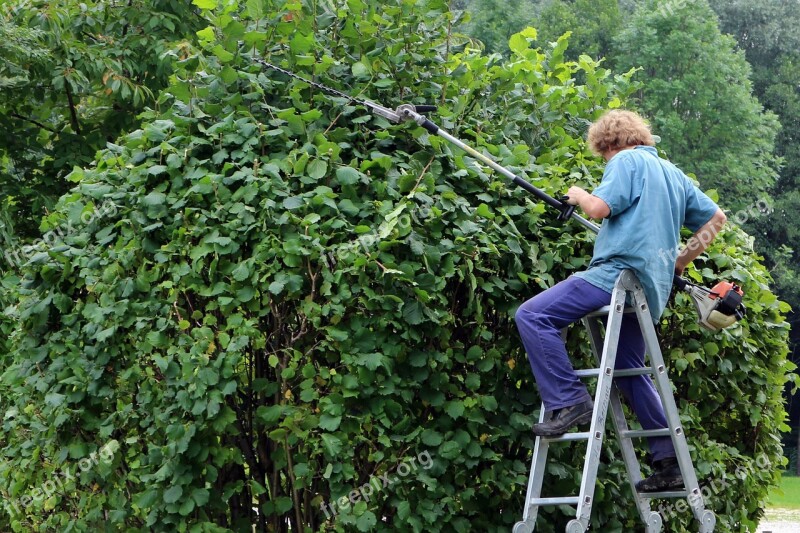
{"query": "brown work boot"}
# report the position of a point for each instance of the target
(564, 419)
(666, 476)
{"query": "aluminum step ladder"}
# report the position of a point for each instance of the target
(627, 286)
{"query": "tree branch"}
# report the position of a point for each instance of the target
(72, 113)
(32, 121)
(293, 480)
(127, 24)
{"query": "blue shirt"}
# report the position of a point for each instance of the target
(650, 199)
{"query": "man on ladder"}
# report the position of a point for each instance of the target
(644, 201)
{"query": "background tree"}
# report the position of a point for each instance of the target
(593, 25)
(492, 22)
(766, 31)
(19, 47)
(80, 73)
(699, 98)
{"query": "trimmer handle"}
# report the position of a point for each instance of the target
(679, 282)
(425, 108)
(566, 209)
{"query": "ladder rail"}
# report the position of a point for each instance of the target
(538, 464)
(664, 388)
(601, 399)
(651, 519)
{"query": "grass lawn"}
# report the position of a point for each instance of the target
(790, 499)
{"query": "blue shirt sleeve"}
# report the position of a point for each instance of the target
(621, 185)
(699, 207)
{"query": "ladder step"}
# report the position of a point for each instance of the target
(665, 494)
(569, 436)
(603, 311)
(636, 433)
(621, 373)
(567, 500)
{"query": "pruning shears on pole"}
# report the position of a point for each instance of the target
(717, 308)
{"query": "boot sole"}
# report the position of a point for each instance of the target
(677, 485)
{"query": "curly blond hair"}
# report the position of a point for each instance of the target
(619, 129)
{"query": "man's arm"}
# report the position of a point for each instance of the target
(700, 241)
(593, 206)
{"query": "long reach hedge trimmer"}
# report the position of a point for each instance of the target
(717, 308)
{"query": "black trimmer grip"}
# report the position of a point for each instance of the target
(679, 282)
(567, 212)
(566, 209)
(425, 108)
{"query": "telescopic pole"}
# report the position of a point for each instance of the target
(410, 112)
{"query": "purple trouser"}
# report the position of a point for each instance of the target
(540, 321)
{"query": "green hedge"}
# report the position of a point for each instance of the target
(269, 298)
